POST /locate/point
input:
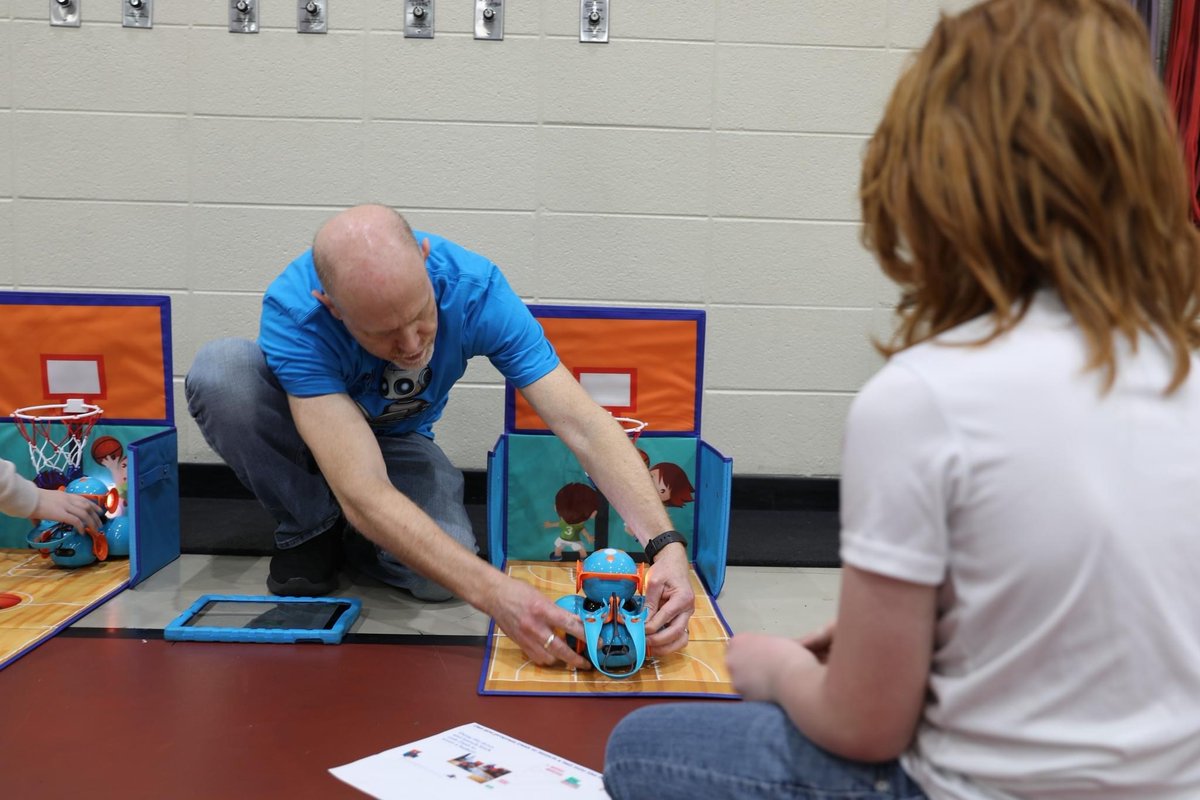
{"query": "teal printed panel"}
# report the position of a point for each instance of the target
(539, 467)
(672, 465)
(553, 508)
(108, 443)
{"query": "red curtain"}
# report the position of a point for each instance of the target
(1180, 79)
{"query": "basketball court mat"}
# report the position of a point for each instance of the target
(697, 670)
(38, 598)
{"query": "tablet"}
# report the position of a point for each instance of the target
(269, 619)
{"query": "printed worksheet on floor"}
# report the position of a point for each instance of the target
(463, 762)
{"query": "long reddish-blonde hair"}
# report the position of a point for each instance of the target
(1030, 144)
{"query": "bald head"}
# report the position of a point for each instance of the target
(373, 276)
(359, 244)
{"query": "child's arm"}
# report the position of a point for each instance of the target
(864, 704)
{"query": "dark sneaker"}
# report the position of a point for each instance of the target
(309, 570)
(555, 557)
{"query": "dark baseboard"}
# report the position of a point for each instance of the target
(774, 520)
(785, 493)
(750, 492)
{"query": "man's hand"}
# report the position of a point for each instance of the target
(670, 600)
(609, 458)
(73, 509)
(758, 663)
(530, 619)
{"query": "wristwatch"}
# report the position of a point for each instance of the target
(662, 540)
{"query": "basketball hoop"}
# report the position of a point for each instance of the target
(633, 427)
(57, 434)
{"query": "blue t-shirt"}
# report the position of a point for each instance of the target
(312, 353)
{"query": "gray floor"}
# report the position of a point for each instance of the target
(780, 600)
(226, 541)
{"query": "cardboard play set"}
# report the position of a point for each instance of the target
(545, 515)
(85, 405)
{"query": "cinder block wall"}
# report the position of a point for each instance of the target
(707, 157)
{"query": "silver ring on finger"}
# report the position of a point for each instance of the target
(549, 640)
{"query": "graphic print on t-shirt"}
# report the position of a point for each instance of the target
(400, 386)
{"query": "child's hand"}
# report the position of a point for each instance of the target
(758, 664)
(75, 510)
(820, 642)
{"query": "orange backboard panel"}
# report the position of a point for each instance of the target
(635, 362)
(110, 350)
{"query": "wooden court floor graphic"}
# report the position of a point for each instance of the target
(698, 669)
(37, 597)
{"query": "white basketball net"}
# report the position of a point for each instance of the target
(57, 434)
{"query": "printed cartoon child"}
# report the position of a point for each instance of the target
(108, 453)
(674, 488)
(576, 504)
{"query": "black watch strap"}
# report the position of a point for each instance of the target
(662, 540)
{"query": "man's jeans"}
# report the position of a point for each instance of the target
(243, 414)
(747, 751)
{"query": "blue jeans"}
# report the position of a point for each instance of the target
(243, 413)
(747, 751)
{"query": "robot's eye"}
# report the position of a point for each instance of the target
(404, 386)
(426, 374)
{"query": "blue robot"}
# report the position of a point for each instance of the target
(116, 531)
(612, 611)
(66, 546)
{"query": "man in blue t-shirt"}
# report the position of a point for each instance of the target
(329, 417)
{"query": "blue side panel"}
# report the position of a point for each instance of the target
(713, 498)
(497, 463)
(153, 504)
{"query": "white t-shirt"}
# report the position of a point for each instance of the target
(1062, 527)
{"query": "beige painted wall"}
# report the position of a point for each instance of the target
(706, 157)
